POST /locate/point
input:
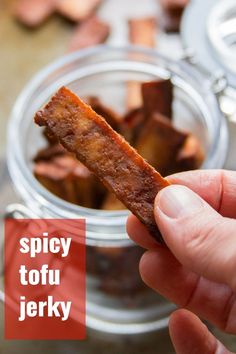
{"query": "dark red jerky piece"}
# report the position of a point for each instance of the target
(158, 97)
(132, 124)
(77, 10)
(33, 13)
(103, 151)
(69, 179)
(159, 143)
(172, 13)
(57, 179)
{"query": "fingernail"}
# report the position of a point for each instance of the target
(178, 201)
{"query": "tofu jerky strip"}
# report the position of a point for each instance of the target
(158, 97)
(103, 151)
(172, 13)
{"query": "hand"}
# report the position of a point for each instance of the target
(197, 271)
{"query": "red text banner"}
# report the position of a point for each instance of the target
(45, 279)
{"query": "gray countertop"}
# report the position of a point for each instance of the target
(23, 53)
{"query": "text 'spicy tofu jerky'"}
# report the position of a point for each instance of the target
(103, 151)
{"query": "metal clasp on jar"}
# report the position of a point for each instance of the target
(218, 83)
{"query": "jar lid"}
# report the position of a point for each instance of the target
(208, 31)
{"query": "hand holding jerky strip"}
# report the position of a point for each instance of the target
(81, 131)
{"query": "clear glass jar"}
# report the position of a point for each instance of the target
(117, 301)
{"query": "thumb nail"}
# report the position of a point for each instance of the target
(178, 201)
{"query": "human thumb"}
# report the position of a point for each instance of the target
(199, 237)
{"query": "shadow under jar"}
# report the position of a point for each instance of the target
(117, 300)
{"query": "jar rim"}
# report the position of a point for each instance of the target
(27, 184)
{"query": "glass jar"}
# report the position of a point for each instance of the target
(117, 300)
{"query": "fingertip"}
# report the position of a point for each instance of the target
(147, 267)
(179, 318)
(131, 220)
(154, 267)
(189, 334)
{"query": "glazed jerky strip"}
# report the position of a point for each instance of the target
(102, 150)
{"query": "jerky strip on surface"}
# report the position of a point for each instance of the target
(33, 13)
(141, 32)
(103, 151)
(91, 32)
(77, 10)
(158, 97)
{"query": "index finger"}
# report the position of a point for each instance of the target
(216, 187)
